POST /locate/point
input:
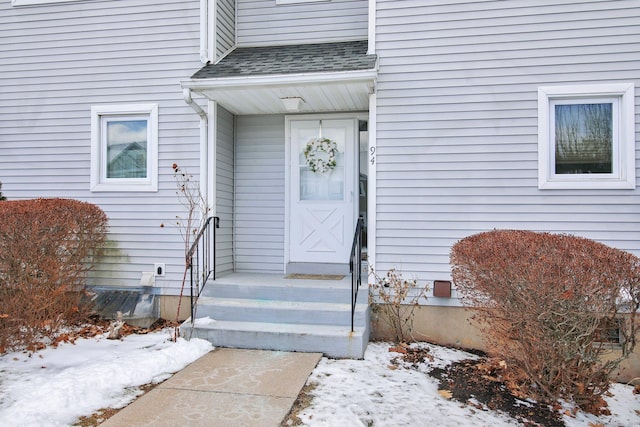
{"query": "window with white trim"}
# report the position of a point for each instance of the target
(124, 147)
(586, 137)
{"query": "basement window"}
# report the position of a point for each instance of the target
(609, 332)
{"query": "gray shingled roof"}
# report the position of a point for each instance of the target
(304, 58)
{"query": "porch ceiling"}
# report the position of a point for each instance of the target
(267, 99)
(328, 77)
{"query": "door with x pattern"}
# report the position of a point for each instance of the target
(321, 191)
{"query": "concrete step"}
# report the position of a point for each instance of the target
(287, 290)
(333, 341)
(277, 311)
(270, 312)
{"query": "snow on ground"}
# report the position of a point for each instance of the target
(375, 392)
(369, 392)
(54, 387)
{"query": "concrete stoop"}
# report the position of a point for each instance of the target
(270, 312)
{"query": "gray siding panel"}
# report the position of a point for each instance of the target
(58, 60)
(225, 26)
(457, 122)
(262, 22)
(259, 203)
(224, 190)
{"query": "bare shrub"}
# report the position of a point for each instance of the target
(394, 299)
(47, 246)
(189, 226)
(546, 304)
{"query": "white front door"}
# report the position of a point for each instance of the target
(322, 203)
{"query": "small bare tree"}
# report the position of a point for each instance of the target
(196, 214)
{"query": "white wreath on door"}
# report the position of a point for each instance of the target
(320, 154)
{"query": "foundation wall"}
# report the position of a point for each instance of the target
(453, 326)
(449, 326)
(168, 308)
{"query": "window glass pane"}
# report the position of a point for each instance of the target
(583, 138)
(126, 148)
(322, 185)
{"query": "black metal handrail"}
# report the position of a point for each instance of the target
(355, 266)
(202, 265)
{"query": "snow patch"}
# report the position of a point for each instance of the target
(57, 385)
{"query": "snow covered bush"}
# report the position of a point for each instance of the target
(560, 310)
(47, 247)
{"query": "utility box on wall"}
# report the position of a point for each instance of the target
(442, 288)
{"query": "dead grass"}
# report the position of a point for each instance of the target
(302, 402)
(103, 414)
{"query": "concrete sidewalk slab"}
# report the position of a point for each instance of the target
(226, 387)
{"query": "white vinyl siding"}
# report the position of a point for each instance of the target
(279, 2)
(457, 135)
(224, 190)
(260, 194)
(56, 61)
(225, 26)
(262, 22)
(38, 2)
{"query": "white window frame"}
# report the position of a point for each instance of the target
(99, 180)
(623, 175)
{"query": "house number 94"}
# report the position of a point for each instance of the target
(372, 155)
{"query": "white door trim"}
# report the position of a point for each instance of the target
(371, 189)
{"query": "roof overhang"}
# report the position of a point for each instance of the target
(263, 94)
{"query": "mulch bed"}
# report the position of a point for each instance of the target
(477, 383)
(468, 382)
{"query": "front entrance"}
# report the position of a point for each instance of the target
(322, 195)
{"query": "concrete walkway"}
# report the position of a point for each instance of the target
(226, 387)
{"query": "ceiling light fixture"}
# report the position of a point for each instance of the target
(292, 104)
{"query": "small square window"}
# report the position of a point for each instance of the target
(586, 137)
(124, 147)
(609, 332)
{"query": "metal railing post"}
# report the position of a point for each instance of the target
(355, 263)
(201, 270)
